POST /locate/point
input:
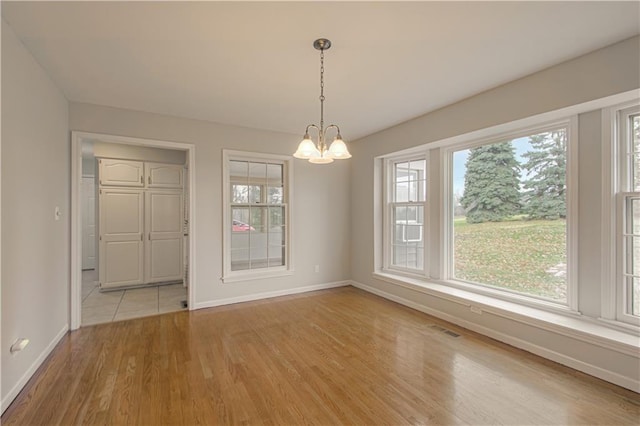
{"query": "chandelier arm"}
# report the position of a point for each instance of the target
(334, 126)
(312, 126)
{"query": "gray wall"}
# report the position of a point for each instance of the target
(320, 209)
(602, 73)
(35, 247)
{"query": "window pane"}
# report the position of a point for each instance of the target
(274, 174)
(276, 217)
(239, 260)
(239, 194)
(240, 222)
(238, 171)
(255, 194)
(509, 224)
(276, 255)
(409, 181)
(399, 256)
(257, 173)
(275, 195)
(635, 295)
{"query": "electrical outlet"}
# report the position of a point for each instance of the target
(317, 269)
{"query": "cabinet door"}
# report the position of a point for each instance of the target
(163, 175)
(164, 260)
(121, 253)
(121, 172)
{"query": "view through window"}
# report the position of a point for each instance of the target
(258, 226)
(510, 212)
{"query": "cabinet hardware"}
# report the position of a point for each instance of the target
(142, 180)
(141, 237)
(149, 180)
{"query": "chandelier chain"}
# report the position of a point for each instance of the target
(321, 89)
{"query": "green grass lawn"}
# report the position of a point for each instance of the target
(525, 256)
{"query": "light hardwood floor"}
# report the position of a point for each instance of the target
(339, 356)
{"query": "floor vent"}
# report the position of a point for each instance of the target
(445, 331)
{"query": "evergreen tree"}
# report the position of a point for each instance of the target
(545, 189)
(491, 183)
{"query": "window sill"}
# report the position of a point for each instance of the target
(252, 276)
(569, 323)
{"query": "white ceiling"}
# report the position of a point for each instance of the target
(252, 64)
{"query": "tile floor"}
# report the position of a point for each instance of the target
(100, 307)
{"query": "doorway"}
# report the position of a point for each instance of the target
(121, 303)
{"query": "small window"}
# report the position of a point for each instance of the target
(628, 289)
(257, 209)
(406, 205)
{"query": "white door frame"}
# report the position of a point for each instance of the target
(76, 223)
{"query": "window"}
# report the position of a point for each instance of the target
(508, 224)
(256, 200)
(493, 216)
(405, 213)
(628, 287)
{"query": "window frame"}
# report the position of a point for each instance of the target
(387, 214)
(571, 179)
(623, 192)
(229, 275)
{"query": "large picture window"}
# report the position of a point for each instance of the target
(509, 214)
(257, 222)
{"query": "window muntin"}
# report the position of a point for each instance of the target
(257, 224)
(406, 214)
(628, 288)
(508, 221)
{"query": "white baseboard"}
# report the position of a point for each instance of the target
(593, 370)
(270, 294)
(15, 390)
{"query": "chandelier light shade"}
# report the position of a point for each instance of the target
(320, 153)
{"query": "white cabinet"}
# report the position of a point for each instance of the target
(164, 236)
(121, 253)
(141, 230)
(161, 175)
(121, 172)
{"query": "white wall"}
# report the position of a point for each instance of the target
(142, 153)
(602, 73)
(35, 247)
(320, 210)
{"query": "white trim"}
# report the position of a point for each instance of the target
(572, 219)
(76, 224)
(287, 178)
(15, 390)
(270, 294)
(608, 212)
(565, 323)
(563, 359)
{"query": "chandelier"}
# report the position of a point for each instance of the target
(319, 153)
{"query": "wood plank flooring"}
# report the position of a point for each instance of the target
(338, 356)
